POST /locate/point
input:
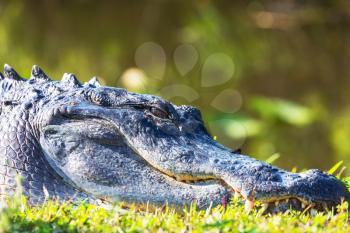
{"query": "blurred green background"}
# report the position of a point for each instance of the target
(272, 77)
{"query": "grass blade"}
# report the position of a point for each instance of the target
(335, 167)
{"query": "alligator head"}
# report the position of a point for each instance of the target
(112, 144)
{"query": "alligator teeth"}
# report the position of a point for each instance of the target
(237, 195)
(303, 205)
(248, 205)
(277, 203)
(324, 205)
(313, 212)
(46, 193)
(287, 200)
(264, 206)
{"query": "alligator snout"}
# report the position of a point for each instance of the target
(258, 181)
(255, 180)
(320, 189)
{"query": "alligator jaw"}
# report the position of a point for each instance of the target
(274, 203)
(276, 189)
(283, 198)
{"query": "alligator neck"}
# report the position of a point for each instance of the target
(21, 155)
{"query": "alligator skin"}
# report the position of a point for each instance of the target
(69, 140)
(20, 152)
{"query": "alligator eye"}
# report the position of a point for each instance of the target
(50, 131)
(159, 113)
(100, 99)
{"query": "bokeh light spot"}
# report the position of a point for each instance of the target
(133, 79)
(151, 58)
(228, 101)
(230, 133)
(218, 68)
(179, 90)
(185, 57)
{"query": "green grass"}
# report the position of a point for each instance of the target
(69, 217)
(54, 217)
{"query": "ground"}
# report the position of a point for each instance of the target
(69, 217)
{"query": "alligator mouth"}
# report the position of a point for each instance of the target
(268, 205)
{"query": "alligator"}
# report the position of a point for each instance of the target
(74, 141)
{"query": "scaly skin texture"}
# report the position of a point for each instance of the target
(74, 141)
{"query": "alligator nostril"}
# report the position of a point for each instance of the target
(237, 151)
(319, 173)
